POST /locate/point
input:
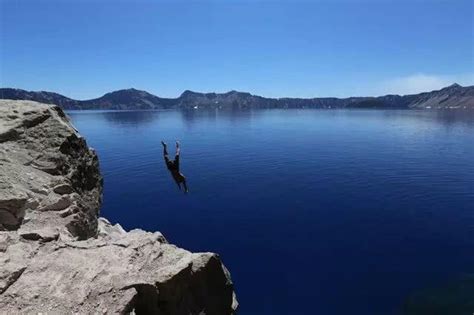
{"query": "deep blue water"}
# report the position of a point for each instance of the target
(313, 211)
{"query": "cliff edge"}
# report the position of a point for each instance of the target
(57, 255)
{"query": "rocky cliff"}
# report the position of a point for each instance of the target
(454, 96)
(58, 256)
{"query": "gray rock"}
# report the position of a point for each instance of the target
(58, 256)
(40, 151)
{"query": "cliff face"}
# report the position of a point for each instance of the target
(57, 255)
(454, 96)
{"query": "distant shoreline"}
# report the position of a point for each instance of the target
(451, 97)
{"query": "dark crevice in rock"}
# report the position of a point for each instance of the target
(12, 278)
(9, 135)
(9, 221)
(31, 236)
(90, 246)
(146, 301)
(12, 204)
(38, 237)
(83, 225)
(60, 112)
(72, 145)
(63, 189)
(11, 213)
(10, 227)
(29, 123)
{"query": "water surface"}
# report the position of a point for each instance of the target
(313, 211)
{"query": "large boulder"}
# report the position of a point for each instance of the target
(57, 255)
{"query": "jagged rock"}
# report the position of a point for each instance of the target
(58, 256)
(45, 152)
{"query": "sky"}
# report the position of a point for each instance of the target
(83, 49)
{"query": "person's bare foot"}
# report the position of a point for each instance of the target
(163, 143)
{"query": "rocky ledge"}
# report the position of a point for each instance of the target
(58, 256)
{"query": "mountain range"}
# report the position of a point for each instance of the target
(453, 96)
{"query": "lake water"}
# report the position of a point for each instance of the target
(312, 211)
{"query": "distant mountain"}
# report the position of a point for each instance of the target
(41, 96)
(453, 96)
(122, 99)
(127, 99)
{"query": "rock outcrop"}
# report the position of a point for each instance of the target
(58, 256)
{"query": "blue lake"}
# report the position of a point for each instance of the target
(312, 211)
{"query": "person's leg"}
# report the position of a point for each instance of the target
(176, 161)
(185, 186)
(165, 151)
(176, 158)
(165, 154)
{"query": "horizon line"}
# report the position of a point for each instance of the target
(236, 91)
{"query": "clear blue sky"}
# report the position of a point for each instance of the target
(84, 49)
